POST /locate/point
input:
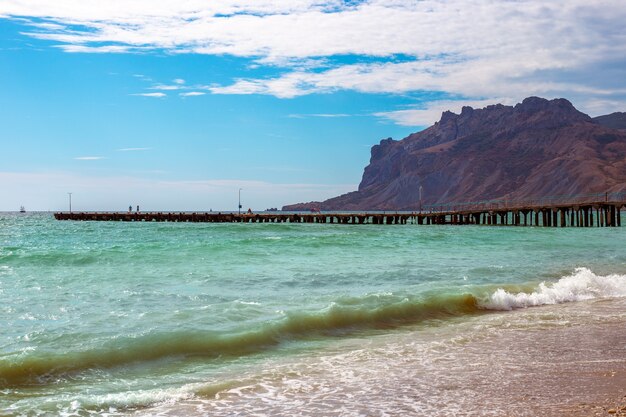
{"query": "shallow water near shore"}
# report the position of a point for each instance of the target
(304, 319)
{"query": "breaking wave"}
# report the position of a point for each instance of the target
(582, 285)
(345, 315)
(341, 317)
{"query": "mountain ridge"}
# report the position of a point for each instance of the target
(615, 120)
(534, 149)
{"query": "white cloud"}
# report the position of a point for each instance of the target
(480, 49)
(192, 94)
(244, 87)
(156, 95)
(89, 158)
(179, 81)
(431, 112)
(599, 106)
(96, 49)
(48, 26)
(304, 29)
(165, 87)
(133, 149)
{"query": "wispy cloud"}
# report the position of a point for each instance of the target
(430, 112)
(192, 94)
(89, 158)
(142, 77)
(48, 26)
(133, 149)
(156, 95)
(165, 87)
(323, 115)
(106, 49)
(179, 85)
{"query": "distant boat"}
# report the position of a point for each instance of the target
(22, 209)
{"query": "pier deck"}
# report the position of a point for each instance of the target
(603, 210)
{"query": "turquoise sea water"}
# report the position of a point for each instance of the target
(171, 318)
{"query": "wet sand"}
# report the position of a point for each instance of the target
(574, 371)
(567, 360)
(604, 394)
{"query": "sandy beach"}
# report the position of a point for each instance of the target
(562, 360)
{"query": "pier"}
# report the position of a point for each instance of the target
(591, 210)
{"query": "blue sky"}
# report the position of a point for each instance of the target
(177, 105)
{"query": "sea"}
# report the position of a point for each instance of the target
(198, 319)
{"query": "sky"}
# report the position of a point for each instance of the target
(191, 105)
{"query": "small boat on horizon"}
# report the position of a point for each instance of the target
(22, 209)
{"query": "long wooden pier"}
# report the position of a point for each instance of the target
(594, 210)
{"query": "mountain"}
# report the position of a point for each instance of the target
(534, 149)
(615, 120)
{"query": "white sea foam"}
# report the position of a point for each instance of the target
(124, 400)
(583, 284)
(248, 303)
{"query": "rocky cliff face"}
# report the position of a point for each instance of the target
(535, 149)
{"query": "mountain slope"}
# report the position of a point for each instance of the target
(535, 149)
(615, 120)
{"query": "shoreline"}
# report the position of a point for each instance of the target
(567, 359)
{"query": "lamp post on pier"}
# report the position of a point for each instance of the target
(239, 209)
(70, 194)
(421, 188)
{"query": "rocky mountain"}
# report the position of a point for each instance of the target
(615, 120)
(534, 149)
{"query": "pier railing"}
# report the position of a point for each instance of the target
(506, 204)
